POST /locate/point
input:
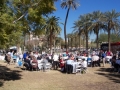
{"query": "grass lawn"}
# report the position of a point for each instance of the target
(97, 78)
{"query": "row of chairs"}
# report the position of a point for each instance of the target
(37, 66)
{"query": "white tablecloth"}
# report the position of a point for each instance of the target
(108, 58)
(75, 64)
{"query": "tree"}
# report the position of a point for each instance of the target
(6, 27)
(52, 29)
(112, 23)
(97, 24)
(103, 37)
(31, 14)
(84, 24)
(68, 4)
(33, 8)
(78, 26)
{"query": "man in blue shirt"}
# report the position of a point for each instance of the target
(25, 55)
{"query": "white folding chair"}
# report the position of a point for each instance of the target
(40, 65)
(48, 66)
(78, 69)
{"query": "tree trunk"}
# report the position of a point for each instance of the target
(68, 43)
(75, 41)
(51, 42)
(109, 47)
(83, 42)
(79, 43)
(24, 42)
(71, 42)
(65, 29)
(86, 41)
(97, 43)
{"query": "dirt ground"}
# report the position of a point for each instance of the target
(97, 78)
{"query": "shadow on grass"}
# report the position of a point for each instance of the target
(107, 72)
(7, 74)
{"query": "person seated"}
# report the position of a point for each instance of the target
(44, 62)
(89, 60)
(72, 57)
(117, 65)
(34, 63)
(62, 64)
(113, 60)
(95, 60)
(39, 57)
(69, 67)
(84, 63)
(27, 63)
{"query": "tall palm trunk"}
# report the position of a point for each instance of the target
(86, 35)
(71, 42)
(48, 42)
(97, 34)
(97, 43)
(51, 33)
(24, 42)
(75, 41)
(65, 28)
(68, 43)
(79, 43)
(86, 41)
(83, 42)
(109, 28)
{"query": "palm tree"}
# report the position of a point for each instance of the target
(52, 29)
(75, 35)
(78, 30)
(58, 41)
(68, 4)
(84, 24)
(112, 23)
(97, 24)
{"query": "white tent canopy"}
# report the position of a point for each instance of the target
(13, 47)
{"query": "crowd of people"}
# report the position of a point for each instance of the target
(69, 64)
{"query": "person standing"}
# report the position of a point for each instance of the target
(55, 61)
(103, 58)
(11, 55)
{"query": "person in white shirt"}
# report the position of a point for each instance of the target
(84, 63)
(11, 55)
(55, 61)
(95, 59)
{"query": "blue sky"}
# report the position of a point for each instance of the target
(86, 6)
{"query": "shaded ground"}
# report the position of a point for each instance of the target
(95, 79)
